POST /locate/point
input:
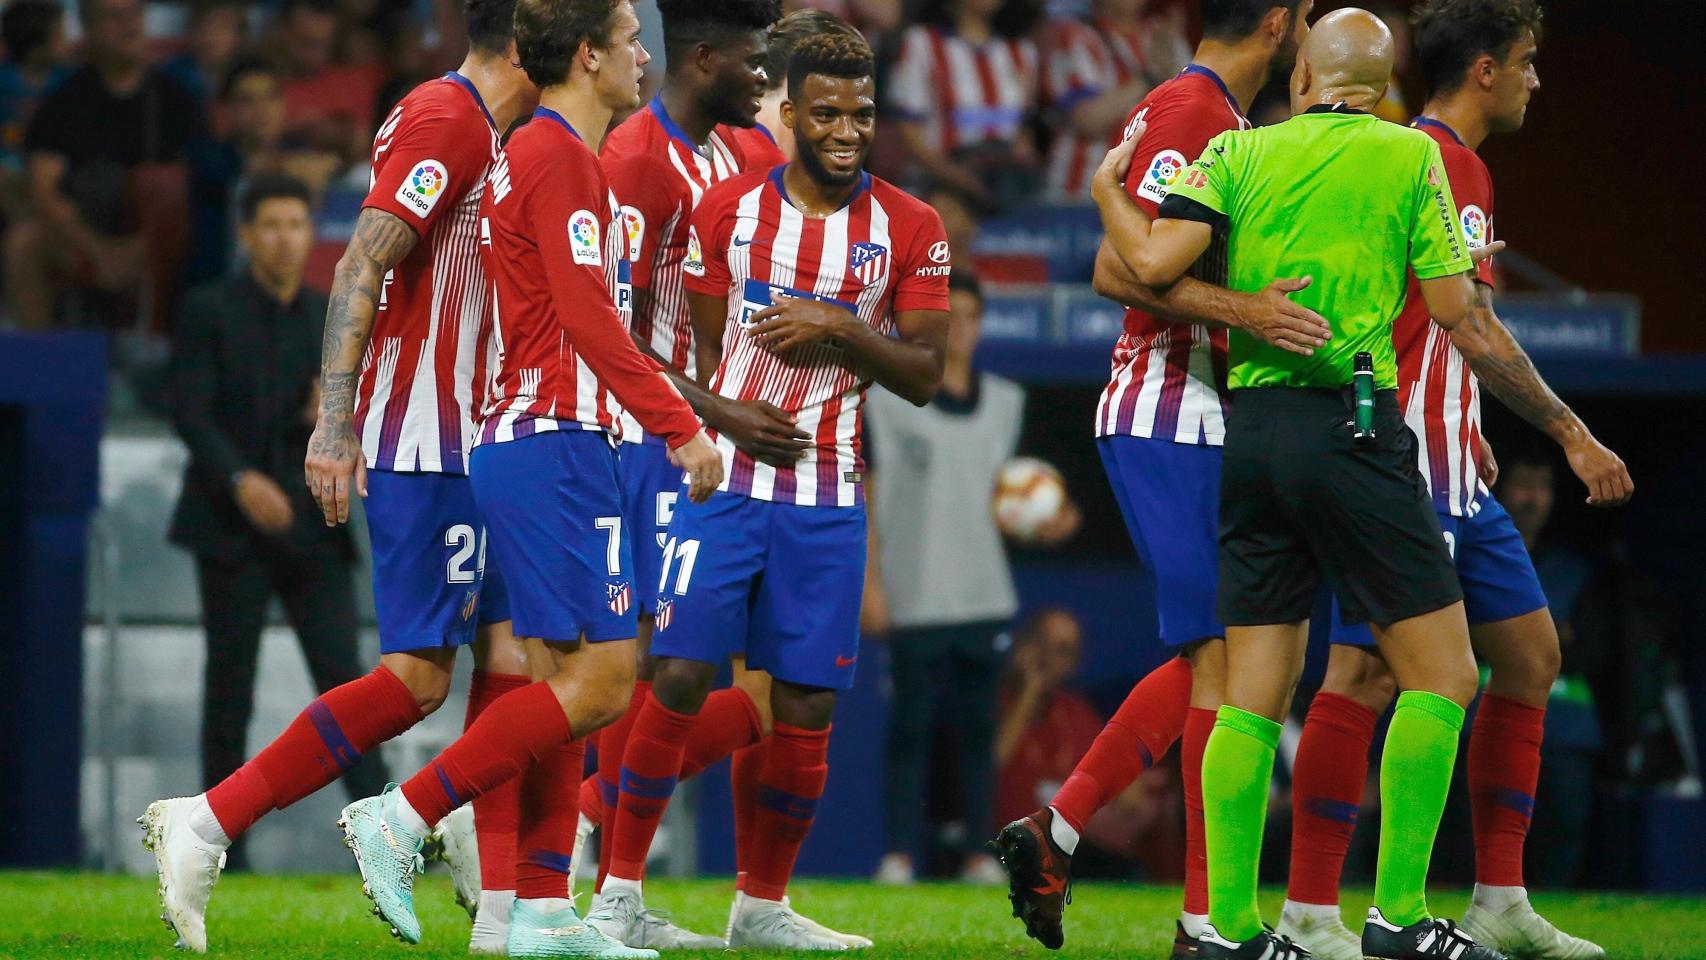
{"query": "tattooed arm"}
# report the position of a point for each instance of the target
(335, 462)
(1464, 308)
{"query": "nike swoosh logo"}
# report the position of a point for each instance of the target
(842, 663)
(741, 243)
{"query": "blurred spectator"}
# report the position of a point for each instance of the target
(965, 96)
(216, 32)
(245, 392)
(1096, 71)
(36, 53)
(870, 17)
(103, 159)
(1393, 106)
(1046, 726)
(327, 105)
(938, 585)
(250, 141)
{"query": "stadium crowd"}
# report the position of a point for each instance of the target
(131, 135)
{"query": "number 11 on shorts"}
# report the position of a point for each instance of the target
(687, 551)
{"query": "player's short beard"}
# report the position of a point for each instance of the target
(729, 107)
(821, 174)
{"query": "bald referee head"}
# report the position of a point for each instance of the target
(1348, 57)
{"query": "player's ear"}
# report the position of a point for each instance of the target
(587, 56)
(1484, 71)
(787, 114)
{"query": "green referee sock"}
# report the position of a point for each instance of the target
(1237, 770)
(1415, 774)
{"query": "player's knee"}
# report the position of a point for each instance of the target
(1527, 670)
(606, 693)
(682, 685)
(809, 708)
(1457, 680)
(429, 685)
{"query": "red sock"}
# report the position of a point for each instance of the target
(546, 829)
(726, 723)
(1199, 723)
(592, 800)
(651, 766)
(1504, 766)
(743, 784)
(515, 732)
(788, 791)
(1326, 793)
(322, 742)
(496, 811)
(612, 743)
(1140, 733)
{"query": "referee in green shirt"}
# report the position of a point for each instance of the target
(1357, 204)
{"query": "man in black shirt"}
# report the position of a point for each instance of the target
(244, 393)
(98, 160)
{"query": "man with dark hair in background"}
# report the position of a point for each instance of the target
(95, 160)
(785, 35)
(403, 361)
(544, 476)
(244, 385)
(1478, 60)
(1159, 428)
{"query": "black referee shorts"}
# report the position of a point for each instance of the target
(1301, 499)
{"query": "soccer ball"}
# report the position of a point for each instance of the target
(1028, 494)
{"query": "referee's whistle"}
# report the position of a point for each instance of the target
(1362, 380)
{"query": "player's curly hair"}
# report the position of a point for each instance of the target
(831, 55)
(1450, 35)
(548, 34)
(491, 25)
(688, 23)
(786, 34)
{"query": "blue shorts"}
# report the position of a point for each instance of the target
(432, 579)
(650, 484)
(781, 582)
(1169, 494)
(1493, 566)
(554, 513)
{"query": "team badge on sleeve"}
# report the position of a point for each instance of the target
(619, 597)
(583, 238)
(868, 261)
(694, 264)
(1163, 172)
(420, 190)
(634, 226)
(1477, 231)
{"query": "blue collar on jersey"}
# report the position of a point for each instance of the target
(474, 92)
(550, 114)
(1197, 69)
(761, 128)
(1431, 122)
(776, 178)
(668, 122)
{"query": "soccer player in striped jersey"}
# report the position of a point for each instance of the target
(1159, 427)
(1478, 59)
(806, 283)
(1093, 71)
(405, 365)
(544, 475)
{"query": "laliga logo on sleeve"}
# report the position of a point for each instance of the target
(634, 225)
(1163, 172)
(583, 238)
(420, 190)
(1476, 228)
(695, 262)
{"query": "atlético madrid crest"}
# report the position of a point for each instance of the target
(868, 261)
(619, 596)
(665, 613)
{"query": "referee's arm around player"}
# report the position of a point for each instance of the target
(1316, 486)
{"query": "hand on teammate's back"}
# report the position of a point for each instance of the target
(764, 430)
(1485, 251)
(704, 466)
(1601, 471)
(1111, 173)
(334, 465)
(263, 502)
(1271, 317)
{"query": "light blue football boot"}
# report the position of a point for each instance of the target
(389, 856)
(533, 933)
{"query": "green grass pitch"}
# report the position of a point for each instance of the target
(95, 917)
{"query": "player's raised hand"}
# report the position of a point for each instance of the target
(334, 467)
(762, 429)
(792, 322)
(1485, 251)
(1271, 317)
(1111, 172)
(1601, 471)
(704, 466)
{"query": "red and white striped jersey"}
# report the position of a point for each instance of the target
(554, 242)
(1440, 394)
(962, 93)
(1082, 60)
(881, 254)
(1169, 380)
(426, 366)
(659, 174)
